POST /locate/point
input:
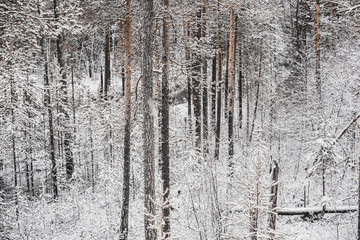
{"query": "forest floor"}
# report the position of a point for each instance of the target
(330, 227)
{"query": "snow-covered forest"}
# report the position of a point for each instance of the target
(180, 119)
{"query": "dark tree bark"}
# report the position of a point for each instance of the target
(255, 110)
(50, 122)
(17, 181)
(213, 94)
(218, 104)
(13, 143)
(165, 171)
(90, 129)
(107, 64)
(196, 75)
(124, 227)
(69, 159)
(27, 168)
(247, 106)
(189, 79)
(148, 121)
(27, 137)
(273, 199)
(317, 50)
(101, 82)
(240, 83)
(358, 230)
(231, 89)
(226, 82)
(90, 57)
(257, 94)
(204, 88)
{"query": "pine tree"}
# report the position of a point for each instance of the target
(165, 153)
(124, 227)
(148, 121)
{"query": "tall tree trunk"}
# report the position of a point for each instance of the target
(48, 105)
(189, 79)
(27, 137)
(257, 94)
(90, 129)
(13, 143)
(273, 199)
(218, 104)
(358, 230)
(17, 182)
(90, 57)
(247, 106)
(213, 93)
(332, 24)
(32, 175)
(317, 50)
(165, 172)
(226, 83)
(240, 83)
(196, 75)
(121, 37)
(107, 63)
(204, 84)
(231, 89)
(101, 83)
(69, 159)
(148, 121)
(205, 88)
(124, 227)
(73, 99)
(27, 168)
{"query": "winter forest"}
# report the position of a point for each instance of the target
(180, 119)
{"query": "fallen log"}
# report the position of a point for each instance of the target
(315, 210)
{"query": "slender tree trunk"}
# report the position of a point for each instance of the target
(231, 89)
(189, 79)
(247, 107)
(257, 94)
(240, 83)
(218, 104)
(196, 75)
(358, 230)
(122, 69)
(101, 83)
(205, 88)
(27, 137)
(332, 24)
(213, 94)
(165, 172)
(32, 175)
(107, 63)
(17, 182)
(148, 121)
(273, 199)
(13, 143)
(90, 57)
(317, 50)
(69, 159)
(124, 227)
(255, 110)
(91, 147)
(73, 99)
(51, 124)
(27, 169)
(226, 86)
(111, 140)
